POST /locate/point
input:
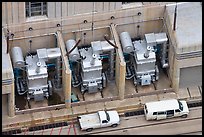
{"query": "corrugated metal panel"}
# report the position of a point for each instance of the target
(99, 6)
(9, 12)
(118, 5)
(64, 9)
(21, 12)
(51, 9)
(3, 13)
(58, 9)
(106, 6)
(71, 8)
(83, 7)
(112, 6)
(15, 12)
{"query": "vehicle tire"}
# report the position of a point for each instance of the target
(89, 129)
(184, 116)
(114, 125)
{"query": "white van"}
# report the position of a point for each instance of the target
(165, 109)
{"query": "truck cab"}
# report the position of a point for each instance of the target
(108, 118)
(100, 119)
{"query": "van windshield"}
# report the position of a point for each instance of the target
(180, 105)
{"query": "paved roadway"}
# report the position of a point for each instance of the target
(137, 125)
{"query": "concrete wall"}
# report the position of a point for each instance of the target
(8, 92)
(14, 12)
(74, 20)
(190, 76)
(185, 52)
(71, 19)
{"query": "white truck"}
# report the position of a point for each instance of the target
(99, 119)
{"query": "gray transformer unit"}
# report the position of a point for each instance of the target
(145, 66)
(92, 79)
(91, 73)
(35, 82)
(142, 66)
(37, 78)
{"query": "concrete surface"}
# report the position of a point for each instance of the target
(166, 96)
(183, 93)
(95, 107)
(194, 92)
(145, 99)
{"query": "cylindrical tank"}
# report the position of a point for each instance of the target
(17, 57)
(126, 42)
(74, 55)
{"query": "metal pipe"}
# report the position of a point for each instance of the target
(92, 62)
(74, 47)
(49, 34)
(17, 85)
(51, 65)
(156, 19)
(76, 23)
(7, 41)
(146, 54)
(175, 16)
(28, 37)
(128, 72)
(129, 77)
(38, 67)
(105, 37)
(90, 29)
(20, 87)
(75, 86)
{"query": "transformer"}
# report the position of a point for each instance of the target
(37, 78)
(36, 82)
(145, 67)
(91, 74)
(142, 66)
(91, 77)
